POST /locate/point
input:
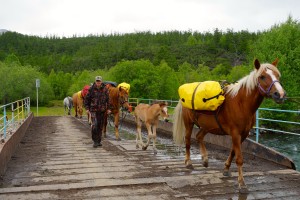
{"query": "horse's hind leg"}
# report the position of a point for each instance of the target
(200, 137)
(188, 162)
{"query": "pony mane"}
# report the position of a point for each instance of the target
(250, 81)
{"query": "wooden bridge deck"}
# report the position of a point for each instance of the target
(56, 160)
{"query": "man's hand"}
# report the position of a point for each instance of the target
(108, 111)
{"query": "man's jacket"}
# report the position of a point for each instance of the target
(97, 99)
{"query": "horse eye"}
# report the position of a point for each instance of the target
(262, 78)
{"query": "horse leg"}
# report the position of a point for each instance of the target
(200, 137)
(139, 140)
(188, 162)
(75, 108)
(105, 125)
(154, 138)
(228, 162)
(149, 136)
(116, 122)
(236, 141)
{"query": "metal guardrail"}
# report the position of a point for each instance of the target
(172, 104)
(12, 115)
(274, 120)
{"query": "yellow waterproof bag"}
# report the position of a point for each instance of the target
(125, 86)
(207, 95)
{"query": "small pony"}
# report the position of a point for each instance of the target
(118, 97)
(68, 103)
(235, 117)
(149, 114)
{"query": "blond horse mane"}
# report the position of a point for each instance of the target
(249, 82)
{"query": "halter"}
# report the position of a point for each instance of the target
(267, 92)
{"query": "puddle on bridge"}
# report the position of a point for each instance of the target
(165, 146)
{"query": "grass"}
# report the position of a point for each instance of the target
(55, 108)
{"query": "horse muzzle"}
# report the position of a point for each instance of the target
(278, 98)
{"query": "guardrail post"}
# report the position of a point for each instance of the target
(12, 115)
(4, 123)
(257, 125)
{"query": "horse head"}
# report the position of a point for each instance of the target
(123, 99)
(164, 111)
(268, 81)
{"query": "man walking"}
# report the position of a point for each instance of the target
(96, 104)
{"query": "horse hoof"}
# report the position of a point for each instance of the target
(205, 164)
(243, 190)
(118, 139)
(155, 152)
(227, 173)
(189, 166)
(137, 146)
(144, 148)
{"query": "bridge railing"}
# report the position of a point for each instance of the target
(173, 103)
(12, 115)
(258, 119)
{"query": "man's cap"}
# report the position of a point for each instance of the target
(98, 78)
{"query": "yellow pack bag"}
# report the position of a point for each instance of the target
(124, 85)
(207, 95)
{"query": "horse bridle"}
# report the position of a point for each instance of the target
(267, 92)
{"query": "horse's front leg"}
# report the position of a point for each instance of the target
(116, 122)
(148, 126)
(228, 162)
(154, 138)
(75, 108)
(236, 141)
(200, 137)
(188, 162)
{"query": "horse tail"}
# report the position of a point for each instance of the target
(178, 125)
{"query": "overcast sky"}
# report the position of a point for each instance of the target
(84, 17)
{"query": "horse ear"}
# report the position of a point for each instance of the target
(120, 89)
(257, 64)
(275, 62)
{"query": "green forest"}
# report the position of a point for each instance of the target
(154, 64)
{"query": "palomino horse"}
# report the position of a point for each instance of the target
(118, 96)
(149, 114)
(234, 117)
(78, 104)
(68, 103)
(78, 101)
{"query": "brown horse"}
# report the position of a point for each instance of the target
(234, 117)
(118, 97)
(78, 104)
(149, 114)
